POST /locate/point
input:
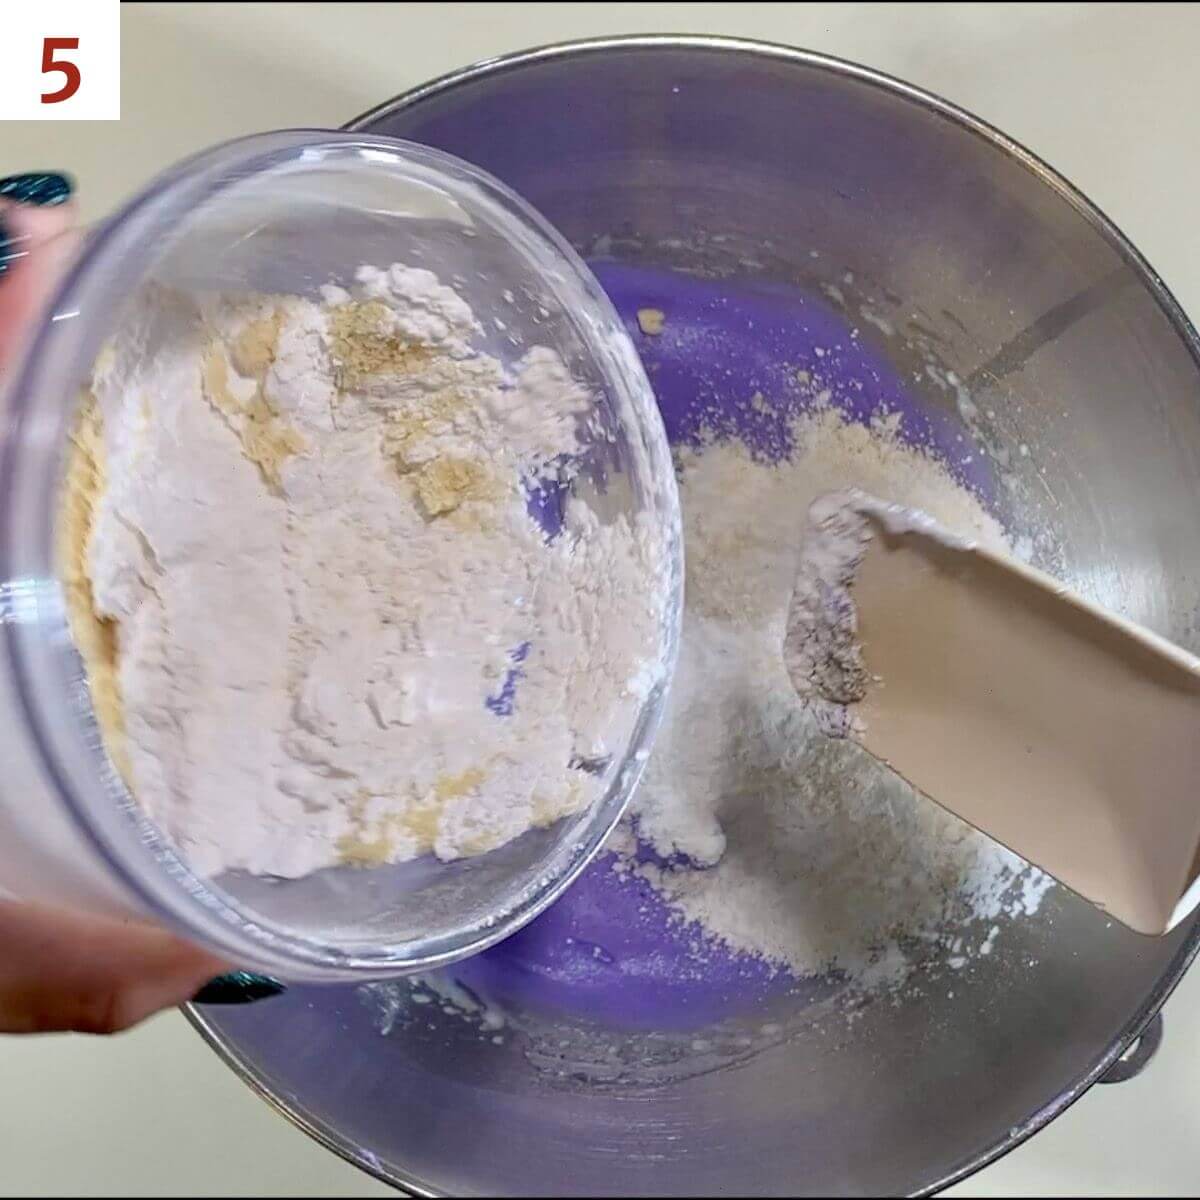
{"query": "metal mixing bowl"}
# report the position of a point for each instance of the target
(736, 160)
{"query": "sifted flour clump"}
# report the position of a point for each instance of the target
(321, 617)
(780, 841)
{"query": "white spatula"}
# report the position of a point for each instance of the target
(1068, 734)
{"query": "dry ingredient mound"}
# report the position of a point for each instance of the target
(778, 840)
(320, 618)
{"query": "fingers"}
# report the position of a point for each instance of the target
(37, 239)
(62, 971)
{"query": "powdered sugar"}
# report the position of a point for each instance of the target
(780, 841)
(343, 632)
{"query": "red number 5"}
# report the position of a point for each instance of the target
(68, 69)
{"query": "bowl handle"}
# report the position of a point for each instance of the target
(1137, 1054)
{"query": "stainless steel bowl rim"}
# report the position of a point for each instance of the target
(1138, 1022)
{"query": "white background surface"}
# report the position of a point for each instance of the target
(1107, 93)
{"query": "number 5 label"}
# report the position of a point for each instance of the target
(60, 60)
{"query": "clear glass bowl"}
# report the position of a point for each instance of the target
(288, 212)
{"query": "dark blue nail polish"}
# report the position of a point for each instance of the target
(238, 987)
(12, 247)
(6, 246)
(37, 187)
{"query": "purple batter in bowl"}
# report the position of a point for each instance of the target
(610, 948)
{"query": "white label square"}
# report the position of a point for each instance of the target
(60, 60)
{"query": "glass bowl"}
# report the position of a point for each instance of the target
(289, 212)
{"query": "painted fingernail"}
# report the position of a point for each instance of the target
(12, 246)
(6, 246)
(238, 987)
(43, 188)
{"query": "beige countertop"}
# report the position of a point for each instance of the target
(1106, 93)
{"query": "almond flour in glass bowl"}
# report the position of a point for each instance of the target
(341, 609)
